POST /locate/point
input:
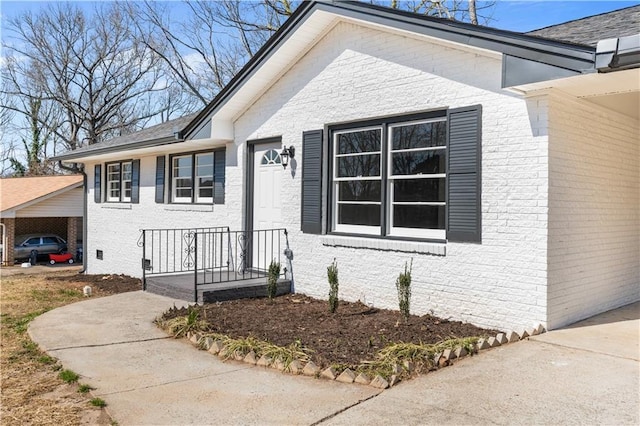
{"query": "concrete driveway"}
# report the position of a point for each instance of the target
(587, 374)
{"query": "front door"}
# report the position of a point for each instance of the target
(267, 206)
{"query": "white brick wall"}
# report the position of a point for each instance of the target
(115, 228)
(357, 73)
(594, 210)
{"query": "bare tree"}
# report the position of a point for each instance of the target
(89, 68)
(457, 10)
(203, 52)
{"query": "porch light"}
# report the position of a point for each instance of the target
(286, 153)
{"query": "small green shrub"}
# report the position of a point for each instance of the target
(272, 279)
(403, 285)
(98, 402)
(332, 276)
(84, 388)
(68, 376)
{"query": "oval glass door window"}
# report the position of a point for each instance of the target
(271, 157)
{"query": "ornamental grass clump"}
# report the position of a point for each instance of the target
(272, 279)
(403, 285)
(332, 276)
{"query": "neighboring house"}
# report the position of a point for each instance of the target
(505, 166)
(41, 204)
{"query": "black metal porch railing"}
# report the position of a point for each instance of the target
(212, 255)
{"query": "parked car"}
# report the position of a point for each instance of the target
(39, 244)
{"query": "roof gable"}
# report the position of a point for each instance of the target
(23, 191)
(313, 19)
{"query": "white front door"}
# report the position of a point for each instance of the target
(267, 206)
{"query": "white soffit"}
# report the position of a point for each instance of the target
(618, 91)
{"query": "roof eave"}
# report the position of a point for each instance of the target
(77, 157)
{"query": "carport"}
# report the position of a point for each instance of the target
(40, 204)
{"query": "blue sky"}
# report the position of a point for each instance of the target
(518, 15)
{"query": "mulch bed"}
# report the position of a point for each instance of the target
(103, 284)
(351, 335)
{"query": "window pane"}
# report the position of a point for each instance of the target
(359, 165)
(205, 182)
(359, 190)
(183, 183)
(420, 162)
(183, 193)
(360, 141)
(416, 190)
(421, 135)
(205, 193)
(359, 214)
(33, 241)
(204, 160)
(182, 167)
(425, 217)
(49, 240)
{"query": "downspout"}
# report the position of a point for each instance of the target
(76, 169)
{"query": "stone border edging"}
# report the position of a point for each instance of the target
(440, 360)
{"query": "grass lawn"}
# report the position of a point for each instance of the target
(33, 389)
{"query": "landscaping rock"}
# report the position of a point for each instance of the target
(278, 364)
(409, 366)
(539, 329)
(512, 336)
(363, 379)
(347, 376)
(379, 382)
(224, 354)
(443, 362)
(523, 334)
(394, 380)
(238, 356)
(250, 358)
(216, 347)
(493, 342)
(502, 338)
(295, 367)
(460, 352)
(264, 361)
(397, 369)
(329, 373)
(448, 354)
(482, 344)
(194, 338)
(311, 369)
(206, 343)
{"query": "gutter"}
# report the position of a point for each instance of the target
(617, 54)
(168, 140)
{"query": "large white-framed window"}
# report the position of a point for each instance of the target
(198, 177)
(119, 176)
(357, 180)
(390, 179)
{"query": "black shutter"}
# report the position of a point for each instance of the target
(135, 181)
(219, 164)
(464, 178)
(312, 182)
(160, 179)
(97, 183)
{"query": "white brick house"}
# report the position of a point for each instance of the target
(506, 166)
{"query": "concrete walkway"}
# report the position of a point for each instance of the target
(574, 376)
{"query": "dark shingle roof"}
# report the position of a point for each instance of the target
(159, 131)
(589, 30)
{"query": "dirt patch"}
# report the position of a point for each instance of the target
(355, 333)
(31, 391)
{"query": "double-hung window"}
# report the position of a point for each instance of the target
(390, 179)
(194, 178)
(119, 177)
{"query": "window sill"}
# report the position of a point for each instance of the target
(189, 207)
(435, 249)
(117, 206)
